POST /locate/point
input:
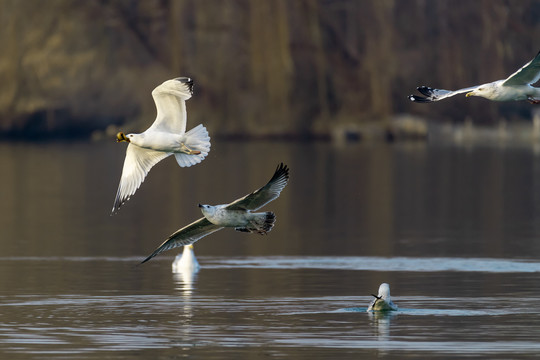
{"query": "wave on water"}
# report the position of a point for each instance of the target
(371, 263)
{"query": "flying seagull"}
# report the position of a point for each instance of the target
(383, 301)
(165, 137)
(237, 215)
(516, 87)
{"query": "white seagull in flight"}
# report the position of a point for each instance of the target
(516, 87)
(237, 214)
(165, 137)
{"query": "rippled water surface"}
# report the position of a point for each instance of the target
(454, 231)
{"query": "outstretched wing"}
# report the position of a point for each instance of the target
(137, 164)
(186, 236)
(528, 74)
(170, 98)
(431, 95)
(264, 195)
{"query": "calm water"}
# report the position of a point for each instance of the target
(453, 230)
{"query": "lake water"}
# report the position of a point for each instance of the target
(453, 230)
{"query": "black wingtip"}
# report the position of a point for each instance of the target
(148, 258)
(419, 99)
(188, 81)
(281, 170)
(425, 90)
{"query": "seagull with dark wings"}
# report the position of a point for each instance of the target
(237, 215)
(514, 88)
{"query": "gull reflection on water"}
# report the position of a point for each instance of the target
(185, 268)
(381, 321)
(185, 281)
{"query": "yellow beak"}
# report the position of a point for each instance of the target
(469, 94)
(121, 137)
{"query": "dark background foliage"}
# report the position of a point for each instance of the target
(260, 67)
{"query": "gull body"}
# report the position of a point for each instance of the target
(166, 136)
(237, 214)
(516, 87)
(240, 219)
(382, 301)
(161, 141)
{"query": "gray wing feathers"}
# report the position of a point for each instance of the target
(264, 195)
(431, 95)
(528, 74)
(186, 236)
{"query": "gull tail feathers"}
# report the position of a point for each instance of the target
(197, 139)
(262, 223)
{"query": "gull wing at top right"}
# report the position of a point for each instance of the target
(515, 88)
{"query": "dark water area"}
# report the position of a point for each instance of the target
(453, 230)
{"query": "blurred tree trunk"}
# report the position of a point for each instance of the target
(10, 61)
(271, 63)
(321, 69)
(379, 58)
(175, 30)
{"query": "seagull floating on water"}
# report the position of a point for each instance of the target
(383, 301)
(237, 215)
(165, 137)
(516, 87)
(186, 261)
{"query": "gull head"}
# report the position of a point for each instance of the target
(476, 92)
(488, 91)
(207, 210)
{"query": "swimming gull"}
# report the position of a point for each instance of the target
(165, 137)
(516, 87)
(186, 261)
(383, 301)
(238, 214)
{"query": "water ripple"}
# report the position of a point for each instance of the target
(370, 263)
(379, 263)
